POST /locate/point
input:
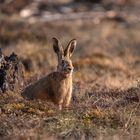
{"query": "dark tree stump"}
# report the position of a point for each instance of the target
(11, 73)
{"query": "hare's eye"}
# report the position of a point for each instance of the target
(63, 62)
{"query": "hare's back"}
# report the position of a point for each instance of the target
(36, 90)
(44, 88)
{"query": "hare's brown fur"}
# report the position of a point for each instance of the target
(57, 86)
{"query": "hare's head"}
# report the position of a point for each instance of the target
(64, 56)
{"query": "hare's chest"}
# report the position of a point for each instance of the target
(64, 87)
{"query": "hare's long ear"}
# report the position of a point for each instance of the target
(70, 48)
(58, 49)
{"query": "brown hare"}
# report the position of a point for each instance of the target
(56, 86)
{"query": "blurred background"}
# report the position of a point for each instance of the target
(107, 32)
(106, 60)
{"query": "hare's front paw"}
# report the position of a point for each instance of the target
(60, 107)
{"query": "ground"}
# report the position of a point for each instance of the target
(106, 80)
